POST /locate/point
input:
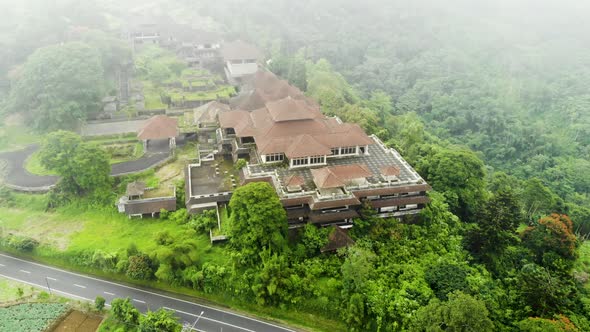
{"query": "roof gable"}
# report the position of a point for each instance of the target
(159, 127)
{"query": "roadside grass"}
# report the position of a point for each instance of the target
(9, 290)
(71, 229)
(16, 136)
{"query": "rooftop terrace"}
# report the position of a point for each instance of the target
(379, 156)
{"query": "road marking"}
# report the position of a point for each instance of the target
(23, 271)
(148, 292)
(45, 287)
(107, 293)
(140, 301)
(168, 308)
(79, 286)
(52, 279)
(2, 265)
(214, 320)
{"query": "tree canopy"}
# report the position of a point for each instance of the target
(257, 221)
(59, 86)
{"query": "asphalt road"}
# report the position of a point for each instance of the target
(80, 287)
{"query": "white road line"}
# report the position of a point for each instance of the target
(2, 265)
(214, 320)
(52, 279)
(79, 286)
(151, 293)
(168, 308)
(140, 301)
(23, 271)
(45, 287)
(107, 293)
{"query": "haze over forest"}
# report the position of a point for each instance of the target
(489, 101)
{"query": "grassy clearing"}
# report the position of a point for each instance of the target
(72, 229)
(33, 165)
(135, 148)
(16, 136)
(9, 290)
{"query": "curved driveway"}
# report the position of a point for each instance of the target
(17, 177)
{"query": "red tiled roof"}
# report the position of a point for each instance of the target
(338, 176)
(293, 127)
(325, 179)
(159, 127)
(294, 181)
(264, 87)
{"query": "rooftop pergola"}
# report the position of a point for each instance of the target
(159, 127)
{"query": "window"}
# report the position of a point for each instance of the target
(274, 157)
(236, 62)
(300, 161)
(250, 61)
(349, 150)
(317, 160)
(335, 151)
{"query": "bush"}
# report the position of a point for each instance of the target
(99, 302)
(21, 243)
(124, 311)
(164, 214)
(180, 216)
(241, 163)
(204, 221)
(140, 267)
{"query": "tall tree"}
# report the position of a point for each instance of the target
(59, 86)
(495, 228)
(459, 175)
(84, 167)
(257, 221)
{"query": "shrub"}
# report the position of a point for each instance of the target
(180, 216)
(140, 267)
(164, 214)
(99, 302)
(241, 163)
(124, 311)
(204, 221)
(21, 243)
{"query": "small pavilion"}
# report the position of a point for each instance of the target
(159, 127)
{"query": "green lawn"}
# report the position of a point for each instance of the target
(9, 290)
(33, 165)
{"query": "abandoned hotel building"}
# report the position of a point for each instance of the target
(322, 169)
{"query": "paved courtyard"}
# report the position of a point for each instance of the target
(111, 128)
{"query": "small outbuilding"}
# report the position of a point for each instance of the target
(337, 239)
(159, 127)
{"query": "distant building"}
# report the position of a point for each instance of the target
(240, 59)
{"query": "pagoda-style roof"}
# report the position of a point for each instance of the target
(135, 188)
(337, 239)
(338, 176)
(159, 127)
